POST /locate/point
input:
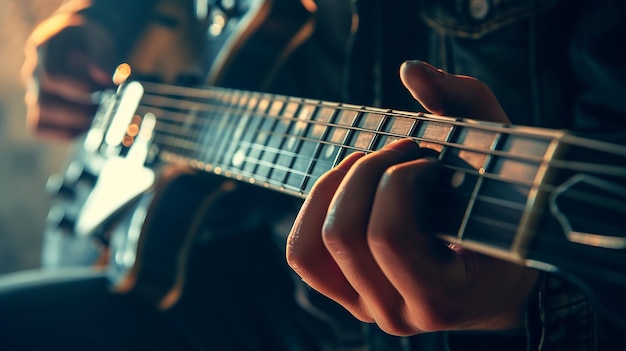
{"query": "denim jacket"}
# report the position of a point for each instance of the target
(551, 64)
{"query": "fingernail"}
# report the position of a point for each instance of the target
(429, 69)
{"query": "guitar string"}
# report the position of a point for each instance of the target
(256, 162)
(512, 206)
(277, 151)
(620, 171)
(216, 93)
(247, 145)
(230, 109)
(604, 202)
(601, 169)
(166, 118)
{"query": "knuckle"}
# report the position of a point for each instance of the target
(397, 324)
(383, 240)
(393, 174)
(335, 236)
(437, 313)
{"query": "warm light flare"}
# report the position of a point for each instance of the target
(122, 72)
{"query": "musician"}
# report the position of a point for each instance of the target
(358, 239)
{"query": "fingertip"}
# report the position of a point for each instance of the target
(405, 144)
(349, 161)
(417, 66)
(423, 81)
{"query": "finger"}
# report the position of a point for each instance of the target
(77, 86)
(76, 49)
(418, 265)
(444, 288)
(306, 253)
(69, 89)
(452, 95)
(346, 226)
(51, 115)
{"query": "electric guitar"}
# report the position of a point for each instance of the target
(542, 198)
(538, 197)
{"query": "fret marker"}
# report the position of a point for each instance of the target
(238, 158)
(457, 179)
(291, 143)
(330, 151)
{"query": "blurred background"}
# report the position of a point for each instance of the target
(25, 162)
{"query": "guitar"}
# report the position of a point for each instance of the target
(542, 198)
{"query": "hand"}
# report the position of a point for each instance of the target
(361, 238)
(67, 59)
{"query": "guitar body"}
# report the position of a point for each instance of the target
(142, 234)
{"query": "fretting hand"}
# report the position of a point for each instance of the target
(361, 237)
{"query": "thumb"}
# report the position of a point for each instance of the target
(442, 93)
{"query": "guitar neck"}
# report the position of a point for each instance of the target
(538, 197)
(500, 187)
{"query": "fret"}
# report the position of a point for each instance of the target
(228, 116)
(348, 116)
(327, 149)
(513, 170)
(247, 130)
(239, 125)
(277, 170)
(505, 198)
(254, 137)
(203, 125)
(188, 136)
(478, 204)
(218, 122)
(363, 133)
(268, 139)
(231, 117)
(472, 139)
(227, 130)
(328, 154)
(182, 126)
(394, 128)
(431, 134)
(299, 112)
(181, 116)
(207, 128)
(311, 147)
(166, 135)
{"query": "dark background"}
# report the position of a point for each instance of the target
(25, 162)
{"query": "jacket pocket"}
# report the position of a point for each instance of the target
(476, 18)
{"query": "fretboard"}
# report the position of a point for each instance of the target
(493, 173)
(539, 197)
(496, 179)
